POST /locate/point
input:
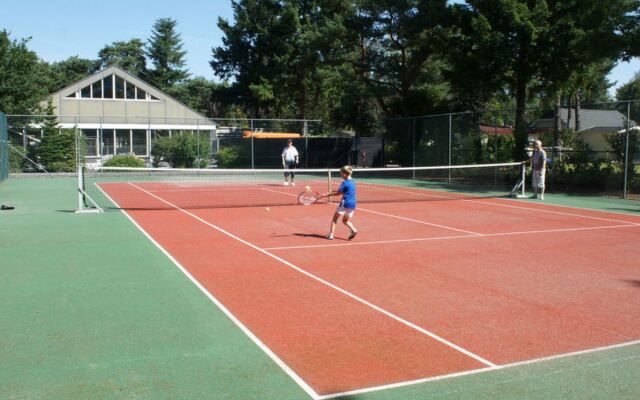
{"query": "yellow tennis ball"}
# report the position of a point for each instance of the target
(308, 187)
(267, 209)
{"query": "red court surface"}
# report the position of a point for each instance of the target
(426, 289)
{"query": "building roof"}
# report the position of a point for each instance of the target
(154, 107)
(496, 130)
(590, 121)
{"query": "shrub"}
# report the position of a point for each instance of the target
(182, 150)
(57, 151)
(128, 160)
(233, 156)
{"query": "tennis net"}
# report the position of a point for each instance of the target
(162, 188)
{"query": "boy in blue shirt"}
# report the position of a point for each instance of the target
(347, 205)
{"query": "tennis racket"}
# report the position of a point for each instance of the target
(308, 197)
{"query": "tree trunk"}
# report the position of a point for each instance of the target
(520, 150)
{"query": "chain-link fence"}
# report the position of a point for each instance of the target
(4, 148)
(213, 143)
(590, 149)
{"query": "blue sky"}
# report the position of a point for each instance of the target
(60, 29)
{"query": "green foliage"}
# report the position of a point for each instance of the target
(69, 71)
(17, 162)
(182, 150)
(630, 91)
(528, 46)
(618, 142)
(57, 151)
(283, 55)
(23, 77)
(198, 94)
(122, 160)
(128, 55)
(233, 157)
(164, 51)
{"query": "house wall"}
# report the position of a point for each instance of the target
(597, 140)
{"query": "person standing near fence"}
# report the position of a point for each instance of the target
(538, 163)
(289, 162)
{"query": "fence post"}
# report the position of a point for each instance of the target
(252, 155)
(450, 146)
(626, 152)
(495, 148)
(413, 141)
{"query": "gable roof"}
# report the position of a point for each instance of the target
(590, 120)
(156, 93)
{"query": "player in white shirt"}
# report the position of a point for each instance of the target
(538, 163)
(289, 162)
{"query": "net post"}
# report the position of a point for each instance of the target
(82, 196)
(523, 179)
(518, 190)
(329, 182)
(81, 207)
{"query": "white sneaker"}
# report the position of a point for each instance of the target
(352, 234)
(286, 183)
(330, 236)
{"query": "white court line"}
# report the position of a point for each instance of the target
(308, 389)
(530, 209)
(471, 199)
(331, 285)
(560, 230)
(291, 373)
(483, 370)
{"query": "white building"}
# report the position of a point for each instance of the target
(121, 114)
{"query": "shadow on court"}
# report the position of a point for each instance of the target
(632, 282)
(319, 236)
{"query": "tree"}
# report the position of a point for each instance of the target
(57, 151)
(400, 46)
(23, 77)
(196, 93)
(164, 50)
(129, 56)
(525, 46)
(282, 55)
(71, 70)
(631, 91)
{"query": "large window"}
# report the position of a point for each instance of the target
(96, 90)
(123, 141)
(139, 139)
(131, 91)
(107, 142)
(91, 142)
(119, 88)
(107, 87)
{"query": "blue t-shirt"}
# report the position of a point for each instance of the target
(348, 190)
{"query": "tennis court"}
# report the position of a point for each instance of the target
(466, 292)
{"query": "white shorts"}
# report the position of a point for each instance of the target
(345, 211)
(537, 179)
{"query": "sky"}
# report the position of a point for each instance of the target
(60, 29)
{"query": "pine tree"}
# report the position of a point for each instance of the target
(164, 50)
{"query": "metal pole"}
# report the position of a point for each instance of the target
(450, 146)
(626, 152)
(252, 156)
(198, 141)
(413, 141)
(495, 148)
